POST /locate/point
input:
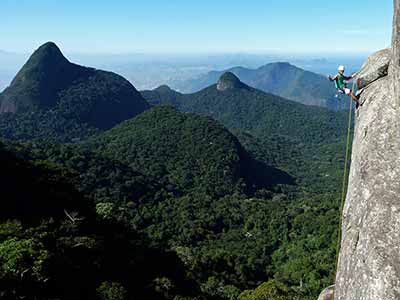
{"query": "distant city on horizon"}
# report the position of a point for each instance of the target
(150, 70)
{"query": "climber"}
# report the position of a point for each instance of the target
(340, 83)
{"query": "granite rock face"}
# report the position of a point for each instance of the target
(369, 260)
(395, 63)
(374, 68)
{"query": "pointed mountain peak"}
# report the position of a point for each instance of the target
(229, 81)
(39, 81)
(48, 46)
(45, 63)
(47, 53)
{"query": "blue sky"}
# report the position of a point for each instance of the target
(197, 26)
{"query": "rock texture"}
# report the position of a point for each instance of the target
(374, 68)
(328, 293)
(229, 81)
(369, 261)
(395, 64)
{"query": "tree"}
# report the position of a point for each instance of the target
(22, 258)
(111, 291)
(270, 290)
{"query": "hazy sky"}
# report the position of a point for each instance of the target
(192, 26)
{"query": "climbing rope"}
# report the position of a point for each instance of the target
(345, 177)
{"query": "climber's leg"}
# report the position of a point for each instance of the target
(350, 93)
(355, 98)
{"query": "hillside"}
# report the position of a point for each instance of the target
(55, 242)
(189, 196)
(46, 190)
(306, 142)
(282, 79)
(239, 106)
(186, 151)
(50, 87)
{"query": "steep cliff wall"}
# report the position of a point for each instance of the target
(369, 261)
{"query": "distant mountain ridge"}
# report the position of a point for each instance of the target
(281, 78)
(162, 95)
(239, 106)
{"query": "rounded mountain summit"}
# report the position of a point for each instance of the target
(229, 81)
(48, 81)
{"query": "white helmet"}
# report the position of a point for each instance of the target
(341, 68)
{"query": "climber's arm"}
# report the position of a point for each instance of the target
(348, 78)
(332, 78)
(351, 77)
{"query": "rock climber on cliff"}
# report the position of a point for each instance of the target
(341, 84)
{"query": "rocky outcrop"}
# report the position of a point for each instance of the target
(374, 68)
(369, 261)
(229, 81)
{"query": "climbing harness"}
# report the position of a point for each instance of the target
(339, 88)
(340, 83)
(345, 178)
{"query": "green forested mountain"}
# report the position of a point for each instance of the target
(187, 152)
(307, 142)
(282, 79)
(229, 238)
(51, 96)
(239, 106)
